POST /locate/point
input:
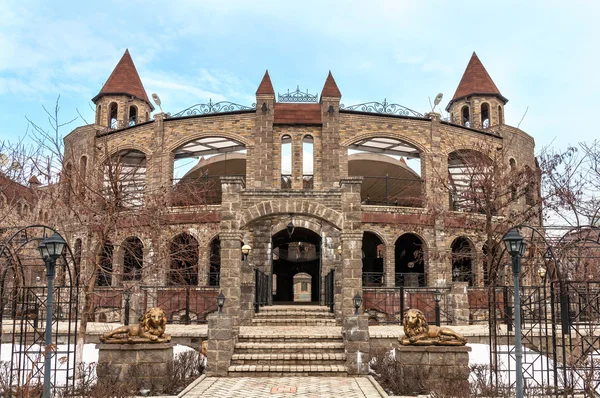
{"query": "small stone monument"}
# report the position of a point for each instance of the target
(302, 287)
(143, 349)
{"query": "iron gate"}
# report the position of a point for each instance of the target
(23, 296)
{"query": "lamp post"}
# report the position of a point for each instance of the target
(516, 247)
(127, 294)
(437, 296)
(50, 249)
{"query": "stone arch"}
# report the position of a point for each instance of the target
(385, 134)
(295, 207)
(381, 236)
(463, 256)
(205, 134)
(130, 146)
(131, 255)
(410, 257)
(299, 221)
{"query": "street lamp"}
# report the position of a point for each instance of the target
(50, 249)
(357, 301)
(246, 249)
(220, 302)
(542, 273)
(455, 274)
(516, 247)
(437, 296)
(339, 250)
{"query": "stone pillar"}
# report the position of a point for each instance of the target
(356, 342)
(351, 236)
(459, 303)
(390, 265)
(261, 168)
(222, 336)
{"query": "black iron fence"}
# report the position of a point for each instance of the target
(330, 290)
(410, 279)
(185, 304)
(392, 191)
(261, 289)
(371, 279)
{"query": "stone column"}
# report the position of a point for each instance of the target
(390, 265)
(351, 236)
(459, 303)
(356, 342)
(222, 336)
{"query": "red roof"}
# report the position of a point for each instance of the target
(290, 113)
(265, 86)
(124, 80)
(15, 191)
(330, 89)
(476, 80)
(34, 181)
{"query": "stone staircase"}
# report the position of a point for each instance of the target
(290, 341)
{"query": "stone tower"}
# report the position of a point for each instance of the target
(122, 102)
(477, 102)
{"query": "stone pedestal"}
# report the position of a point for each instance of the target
(424, 368)
(356, 342)
(221, 341)
(149, 364)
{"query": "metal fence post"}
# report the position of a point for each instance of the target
(187, 306)
(401, 303)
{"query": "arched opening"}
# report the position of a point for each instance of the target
(183, 251)
(286, 162)
(463, 253)
(297, 257)
(133, 115)
(82, 175)
(199, 165)
(469, 180)
(214, 272)
(391, 171)
(105, 268)
(465, 116)
(485, 115)
(500, 116)
(373, 251)
(410, 261)
(125, 179)
(307, 162)
(489, 251)
(133, 259)
(113, 115)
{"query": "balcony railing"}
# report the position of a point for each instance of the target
(204, 190)
(307, 181)
(370, 279)
(391, 191)
(410, 279)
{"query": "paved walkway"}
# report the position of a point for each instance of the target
(284, 387)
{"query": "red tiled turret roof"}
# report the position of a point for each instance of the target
(124, 80)
(265, 86)
(330, 89)
(476, 80)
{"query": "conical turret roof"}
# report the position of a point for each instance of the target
(265, 87)
(330, 89)
(476, 80)
(124, 80)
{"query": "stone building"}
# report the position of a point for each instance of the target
(370, 190)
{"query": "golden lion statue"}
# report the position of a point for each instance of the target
(151, 329)
(418, 332)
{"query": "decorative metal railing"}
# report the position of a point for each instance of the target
(410, 279)
(297, 96)
(211, 108)
(214, 278)
(286, 181)
(194, 191)
(261, 289)
(185, 304)
(373, 279)
(307, 181)
(382, 108)
(391, 191)
(330, 290)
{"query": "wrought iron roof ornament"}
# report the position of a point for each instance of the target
(297, 96)
(216, 107)
(382, 107)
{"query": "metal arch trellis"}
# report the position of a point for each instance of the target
(297, 96)
(213, 107)
(383, 108)
(23, 308)
(560, 323)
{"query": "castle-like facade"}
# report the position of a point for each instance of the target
(374, 191)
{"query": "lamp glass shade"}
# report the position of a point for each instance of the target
(542, 272)
(455, 272)
(339, 250)
(221, 300)
(55, 245)
(514, 243)
(437, 295)
(246, 249)
(43, 251)
(357, 300)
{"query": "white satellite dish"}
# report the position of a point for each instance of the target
(3, 160)
(437, 100)
(156, 100)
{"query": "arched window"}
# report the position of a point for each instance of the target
(466, 117)
(184, 260)
(133, 115)
(409, 259)
(214, 272)
(133, 259)
(372, 260)
(113, 115)
(463, 253)
(106, 265)
(82, 175)
(485, 115)
(500, 116)
(307, 162)
(125, 179)
(469, 180)
(286, 162)
(77, 253)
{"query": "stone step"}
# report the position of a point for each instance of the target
(325, 358)
(287, 370)
(293, 308)
(289, 338)
(314, 347)
(292, 322)
(295, 315)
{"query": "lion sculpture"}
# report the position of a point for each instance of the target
(151, 329)
(418, 332)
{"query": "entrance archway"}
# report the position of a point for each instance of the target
(297, 254)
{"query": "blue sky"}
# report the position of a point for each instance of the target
(541, 54)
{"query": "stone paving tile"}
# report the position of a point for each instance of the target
(284, 387)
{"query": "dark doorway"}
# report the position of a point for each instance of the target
(298, 253)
